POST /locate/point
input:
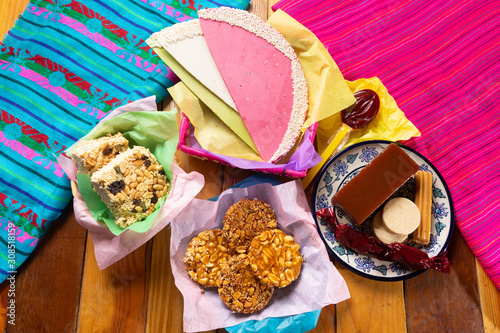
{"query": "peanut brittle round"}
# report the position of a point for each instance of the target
(239, 289)
(204, 257)
(275, 258)
(246, 219)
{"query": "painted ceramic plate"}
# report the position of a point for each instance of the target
(344, 166)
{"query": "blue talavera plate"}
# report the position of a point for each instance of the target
(344, 166)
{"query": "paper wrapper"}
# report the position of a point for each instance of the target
(319, 283)
(108, 246)
(300, 323)
(156, 131)
(240, 156)
(390, 123)
(303, 158)
(328, 93)
(210, 131)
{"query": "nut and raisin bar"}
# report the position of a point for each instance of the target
(131, 185)
(91, 155)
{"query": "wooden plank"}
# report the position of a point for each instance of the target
(115, 299)
(11, 9)
(489, 296)
(234, 175)
(259, 8)
(4, 299)
(448, 302)
(48, 283)
(165, 306)
(374, 306)
(326, 321)
(270, 4)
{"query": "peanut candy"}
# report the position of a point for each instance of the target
(275, 258)
(246, 219)
(239, 289)
(127, 185)
(91, 155)
(204, 257)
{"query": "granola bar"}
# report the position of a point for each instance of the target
(91, 155)
(131, 185)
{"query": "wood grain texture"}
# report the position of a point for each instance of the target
(326, 321)
(48, 283)
(449, 302)
(270, 4)
(374, 306)
(259, 8)
(489, 296)
(116, 298)
(213, 173)
(4, 299)
(9, 12)
(233, 176)
(165, 306)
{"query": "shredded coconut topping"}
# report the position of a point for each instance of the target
(175, 33)
(257, 26)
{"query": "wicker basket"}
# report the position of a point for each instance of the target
(204, 155)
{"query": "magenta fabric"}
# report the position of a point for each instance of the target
(440, 60)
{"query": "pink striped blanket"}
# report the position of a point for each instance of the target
(440, 60)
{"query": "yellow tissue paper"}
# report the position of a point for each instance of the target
(328, 92)
(229, 116)
(389, 124)
(210, 131)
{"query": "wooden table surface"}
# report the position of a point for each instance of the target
(61, 289)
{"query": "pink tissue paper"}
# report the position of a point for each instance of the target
(319, 283)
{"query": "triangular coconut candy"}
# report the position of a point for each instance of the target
(263, 75)
(189, 35)
(186, 43)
